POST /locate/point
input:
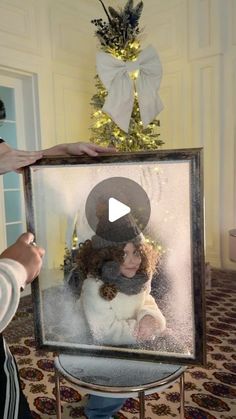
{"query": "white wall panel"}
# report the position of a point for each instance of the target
(20, 25)
(233, 21)
(205, 27)
(71, 101)
(175, 116)
(228, 149)
(206, 99)
(72, 35)
(233, 142)
(70, 40)
(166, 30)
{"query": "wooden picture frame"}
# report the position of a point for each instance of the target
(56, 190)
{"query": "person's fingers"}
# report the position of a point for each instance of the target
(104, 149)
(87, 149)
(26, 237)
(41, 251)
(93, 149)
(143, 333)
(90, 151)
(101, 149)
(24, 163)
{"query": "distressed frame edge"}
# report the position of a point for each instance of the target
(196, 166)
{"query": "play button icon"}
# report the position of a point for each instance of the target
(117, 209)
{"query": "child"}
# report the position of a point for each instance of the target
(115, 301)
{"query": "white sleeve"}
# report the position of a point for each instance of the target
(12, 278)
(150, 308)
(105, 327)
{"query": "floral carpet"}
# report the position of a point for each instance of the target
(209, 392)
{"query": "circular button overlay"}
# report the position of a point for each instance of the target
(118, 209)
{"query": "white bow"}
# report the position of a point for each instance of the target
(114, 74)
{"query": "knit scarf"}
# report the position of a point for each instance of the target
(112, 278)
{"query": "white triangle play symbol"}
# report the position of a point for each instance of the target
(116, 209)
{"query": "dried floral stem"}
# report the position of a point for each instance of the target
(105, 10)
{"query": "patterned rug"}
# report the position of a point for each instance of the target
(209, 392)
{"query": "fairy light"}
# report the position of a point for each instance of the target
(74, 239)
(97, 113)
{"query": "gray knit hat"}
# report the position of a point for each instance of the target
(121, 231)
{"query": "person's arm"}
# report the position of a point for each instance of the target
(77, 149)
(12, 279)
(19, 265)
(11, 160)
(151, 322)
(151, 308)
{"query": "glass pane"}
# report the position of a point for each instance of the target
(8, 133)
(7, 96)
(11, 180)
(13, 209)
(13, 232)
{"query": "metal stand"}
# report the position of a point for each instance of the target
(142, 400)
(75, 377)
(58, 394)
(181, 390)
(142, 404)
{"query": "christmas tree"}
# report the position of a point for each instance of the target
(119, 36)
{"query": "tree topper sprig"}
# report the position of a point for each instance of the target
(122, 27)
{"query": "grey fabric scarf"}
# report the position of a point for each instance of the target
(128, 286)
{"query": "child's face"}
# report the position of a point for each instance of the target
(132, 261)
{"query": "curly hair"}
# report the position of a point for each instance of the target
(91, 261)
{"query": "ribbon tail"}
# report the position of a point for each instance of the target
(148, 84)
(150, 104)
(119, 102)
(120, 99)
(149, 112)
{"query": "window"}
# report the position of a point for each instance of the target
(12, 187)
(17, 91)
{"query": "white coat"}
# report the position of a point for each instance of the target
(114, 322)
